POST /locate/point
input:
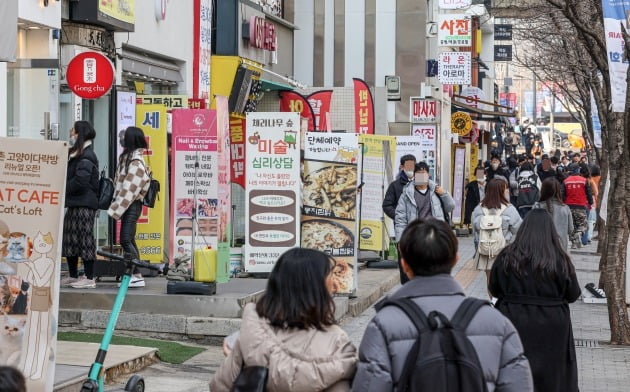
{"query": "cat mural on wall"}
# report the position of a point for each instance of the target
(39, 272)
(11, 335)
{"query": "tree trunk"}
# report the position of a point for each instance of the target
(601, 224)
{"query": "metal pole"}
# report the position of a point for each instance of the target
(534, 98)
(551, 119)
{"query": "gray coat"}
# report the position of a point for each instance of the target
(390, 335)
(407, 210)
(562, 219)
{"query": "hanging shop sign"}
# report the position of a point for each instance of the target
(503, 32)
(329, 199)
(90, 75)
(502, 52)
(202, 41)
(32, 192)
(615, 15)
(423, 111)
(454, 30)
(363, 107)
(291, 101)
(377, 172)
(194, 180)
(114, 15)
(454, 68)
(237, 151)
(454, 4)
(472, 96)
(461, 123)
(150, 232)
(272, 188)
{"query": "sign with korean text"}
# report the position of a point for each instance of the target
(454, 4)
(454, 68)
(150, 232)
(202, 41)
(320, 104)
(329, 199)
(503, 32)
(272, 188)
(454, 30)
(363, 107)
(502, 52)
(224, 184)
(237, 151)
(90, 75)
(422, 145)
(291, 101)
(169, 101)
(461, 123)
(377, 172)
(123, 10)
(423, 111)
(196, 103)
(615, 15)
(194, 180)
(32, 192)
(262, 34)
(472, 95)
(459, 163)
(125, 115)
(597, 125)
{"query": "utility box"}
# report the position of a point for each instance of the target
(392, 84)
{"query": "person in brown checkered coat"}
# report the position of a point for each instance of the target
(132, 183)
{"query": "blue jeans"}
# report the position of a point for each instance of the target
(591, 220)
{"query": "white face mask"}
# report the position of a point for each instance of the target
(409, 173)
(421, 178)
(495, 166)
(72, 141)
(507, 194)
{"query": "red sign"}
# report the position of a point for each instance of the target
(363, 107)
(320, 104)
(90, 75)
(237, 151)
(196, 103)
(290, 101)
(262, 34)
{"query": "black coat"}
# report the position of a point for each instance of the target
(393, 193)
(539, 310)
(82, 180)
(501, 171)
(473, 198)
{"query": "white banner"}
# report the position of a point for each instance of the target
(597, 125)
(454, 30)
(615, 15)
(125, 115)
(473, 96)
(272, 188)
(454, 68)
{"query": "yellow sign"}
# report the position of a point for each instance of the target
(474, 162)
(169, 101)
(150, 232)
(461, 123)
(123, 10)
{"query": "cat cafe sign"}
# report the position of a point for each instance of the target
(32, 190)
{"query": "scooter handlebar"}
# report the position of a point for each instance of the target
(136, 262)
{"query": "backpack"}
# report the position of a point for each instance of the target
(442, 359)
(105, 191)
(491, 239)
(527, 190)
(447, 217)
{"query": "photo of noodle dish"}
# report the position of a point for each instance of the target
(332, 187)
(327, 236)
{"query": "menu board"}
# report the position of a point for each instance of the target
(272, 188)
(194, 180)
(329, 198)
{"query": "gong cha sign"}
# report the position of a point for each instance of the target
(90, 75)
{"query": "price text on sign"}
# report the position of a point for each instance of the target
(423, 110)
(461, 123)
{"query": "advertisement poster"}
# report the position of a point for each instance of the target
(418, 146)
(329, 199)
(194, 180)
(124, 10)
(459, 156)
(454, 68)
(224, 186)
(125, 114)
(150, 232)
(363, 107)
(454, 30)
(428, 145)
(616, 14)
(32, 192)
(272, 190)
(378, 171)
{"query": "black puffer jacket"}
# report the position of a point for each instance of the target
(82, 180)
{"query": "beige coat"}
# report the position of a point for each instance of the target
(298, 360)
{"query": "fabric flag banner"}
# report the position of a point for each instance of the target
(363, 107)
(150, 232)
(32, 192)
(320, 104)
(290, 101)
(237, 151)
(597, 125)
(615, 15)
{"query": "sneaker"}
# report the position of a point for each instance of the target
(136, 281)
(67, 281)
(84, 284)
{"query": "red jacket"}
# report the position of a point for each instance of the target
(577, 192)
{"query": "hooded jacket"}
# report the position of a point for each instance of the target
(395, 189)
(298, 360)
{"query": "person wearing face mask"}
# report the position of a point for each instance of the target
(475, 191)
(395, 189)
(545, 169)
(82, 206)
(421, 198)
(496, 169)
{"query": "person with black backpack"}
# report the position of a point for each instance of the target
(528, 189)
(428, 336)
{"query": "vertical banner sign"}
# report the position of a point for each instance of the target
(125, 115)
(202, 39)
(428, 145)
(597, 125)
(375, 182)
(459, 156)
(474, 162)
(194, 180)
(422, 111)
(454, 68)
(615, 15)
(32, 191)
(224, 187)
(320, 104)
(237, 151)
(272, 188)
(329, 199)
(363, 107)
(290, 101)
(454, 30)
(150, 232)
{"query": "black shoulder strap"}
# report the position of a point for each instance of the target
(467, 311)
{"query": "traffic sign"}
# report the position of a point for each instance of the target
(90, 75)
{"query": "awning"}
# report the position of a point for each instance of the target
(472, 109)
(268, 85)
(151, 67)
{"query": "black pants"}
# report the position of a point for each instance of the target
(73, 264)
(128, 223)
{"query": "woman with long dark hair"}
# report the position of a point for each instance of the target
(82, 206)
(292, 330)
(551, 201)
(534, 281)
(132, 183)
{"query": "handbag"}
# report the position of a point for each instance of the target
(251, 379)
(152, 192)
